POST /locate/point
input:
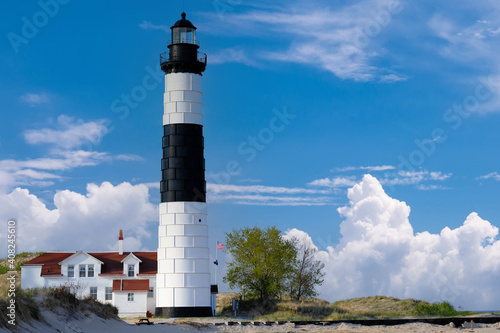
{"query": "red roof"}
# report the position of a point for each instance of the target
(131, 285)
(50, 262)
(111, 262)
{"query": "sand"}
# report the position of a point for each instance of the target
(61, 321)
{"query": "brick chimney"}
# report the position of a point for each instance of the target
(120, 243)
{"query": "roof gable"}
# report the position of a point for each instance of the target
(81, 253)
(131, 258)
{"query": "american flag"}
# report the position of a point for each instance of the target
(220, 246)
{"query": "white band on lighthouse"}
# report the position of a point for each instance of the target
(183, 278)
(182, 99)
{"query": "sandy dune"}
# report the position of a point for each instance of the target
(60, 321)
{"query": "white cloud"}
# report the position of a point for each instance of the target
(249, 180)
(431, 187)
(401, 178)
(89, 222)
(334, 182)
(341, 40)
(475, 45)
(35, 99)
(222, 188)
(415, 177)
(301, 236)
(379, 254)
(67, 144)
(146, 25)
(71, 133)
(28, 172)
(267, 195)
(269, 200)
(232, 54)
(128, 158)
(494, 175)
(365, 168)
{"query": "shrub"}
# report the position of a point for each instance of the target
(436, 309)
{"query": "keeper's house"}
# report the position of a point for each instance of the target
(125, 279)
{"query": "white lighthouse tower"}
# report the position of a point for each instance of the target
(183, 279)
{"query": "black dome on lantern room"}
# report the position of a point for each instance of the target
(183, 23)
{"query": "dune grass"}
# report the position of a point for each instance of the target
(30, 303)
(376, 307)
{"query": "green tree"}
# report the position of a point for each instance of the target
(308, 270)
(261, 260)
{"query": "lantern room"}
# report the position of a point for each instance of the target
(183, 31)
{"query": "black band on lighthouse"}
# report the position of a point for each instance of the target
(183, 165)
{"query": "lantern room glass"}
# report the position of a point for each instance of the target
(183, 35)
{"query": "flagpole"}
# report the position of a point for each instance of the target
(216, 266)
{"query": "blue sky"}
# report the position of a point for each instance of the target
(301, 99)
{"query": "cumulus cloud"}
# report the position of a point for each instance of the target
(379, 254)
(70, 134)
(89, 222)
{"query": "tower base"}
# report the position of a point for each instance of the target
(188, 311)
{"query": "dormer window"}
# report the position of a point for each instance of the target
(131, 271)
(71, 270)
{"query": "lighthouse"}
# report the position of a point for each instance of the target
(183, 278)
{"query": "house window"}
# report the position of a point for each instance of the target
(150, 292)
(131, 271)
(109, 294)
(71, 270)
(82, 271)
(90, 271)
(130, 297)
(93, 292)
